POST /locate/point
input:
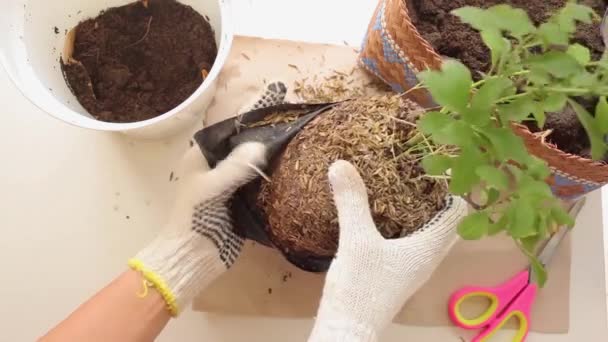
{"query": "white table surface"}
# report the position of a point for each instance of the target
(65, 194)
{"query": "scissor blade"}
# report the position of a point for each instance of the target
(552, 245)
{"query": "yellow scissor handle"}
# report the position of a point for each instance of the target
(520, 335)
(477, 322)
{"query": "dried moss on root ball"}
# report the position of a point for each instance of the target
(376, 134)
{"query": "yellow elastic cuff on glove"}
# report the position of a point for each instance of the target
(158, 283)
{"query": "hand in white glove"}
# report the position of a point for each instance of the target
(198, 243)
(371, 277)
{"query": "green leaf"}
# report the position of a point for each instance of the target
(498, 45)
(497, 227)
(522, 217)
(481, 105)
(497, 18)
(554, 102)
(487, 196)
(534, 191)
(601, 115)
(574, 11)
(462, 179)
(598, 146)
(506, 144)
(552, 34)
(432, 122)
(539, 76)
(539, 273)
(529, 243)
(515, 171)
(561, 216)
(492, 196)
(436, 165)
(580, 53)
(556, 63)
(603, 62)
(567, 17)
(474, 226)
(517, 110)
(514, 20)
(584, 79)
(494, 177)
(538, 168)
(456, 133)
(449, 87)
(478, 18)
(542, 224)
(539, 115)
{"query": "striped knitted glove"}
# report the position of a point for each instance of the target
(198, 243)
(371, 278)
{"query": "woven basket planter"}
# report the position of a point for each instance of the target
(394, 51)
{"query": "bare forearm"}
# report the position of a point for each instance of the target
(116, 313)
(193, 249)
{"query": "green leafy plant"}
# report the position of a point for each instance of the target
(535, 70)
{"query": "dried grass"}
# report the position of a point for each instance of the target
(338, 86)
(279, 117)
(375, 133)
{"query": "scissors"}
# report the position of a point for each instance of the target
(513, 298)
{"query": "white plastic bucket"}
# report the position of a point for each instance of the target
(30, 48)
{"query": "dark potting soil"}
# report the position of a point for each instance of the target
(134, 62)
(450, 37)
(567, 132)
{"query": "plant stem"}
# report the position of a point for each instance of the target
(480, 82)
(511, 97)
(521, 72)
(424, 175)
(416, 87)
(577, 91)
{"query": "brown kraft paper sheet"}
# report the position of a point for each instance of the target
(262, 283)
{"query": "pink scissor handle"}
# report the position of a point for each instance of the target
(499, 297)
(519, 308)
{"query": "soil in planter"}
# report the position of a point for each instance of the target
(370, 132)
(450, 37)
(133, 62)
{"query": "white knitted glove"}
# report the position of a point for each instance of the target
(198, 243)
(371, 278)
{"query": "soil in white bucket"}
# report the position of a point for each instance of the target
(138, 61)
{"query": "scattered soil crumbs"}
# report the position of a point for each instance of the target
(339, 86)
(452, 38)
(133, 63)
(372, 133)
